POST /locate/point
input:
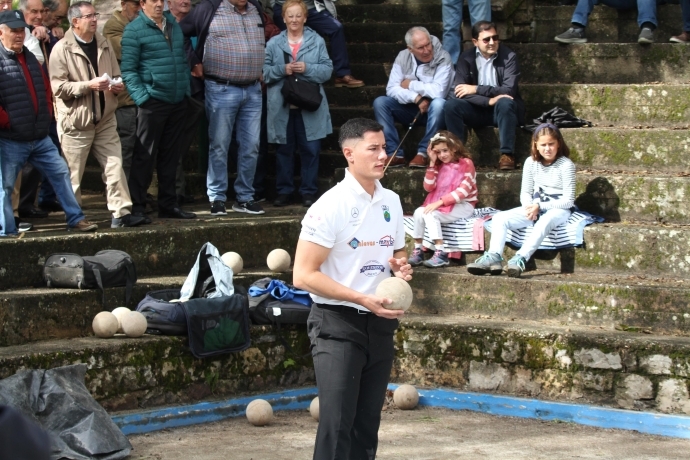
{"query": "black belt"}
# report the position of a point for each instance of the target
(343, 309)
(221, 81)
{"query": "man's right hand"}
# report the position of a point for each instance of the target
(423, 105)
(495, 99)
(58, 32)
(376, 305)
(41, 33)
(198, 71)
(99, 83)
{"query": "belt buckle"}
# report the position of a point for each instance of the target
(362, 312)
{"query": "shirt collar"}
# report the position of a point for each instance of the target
(81, 40)
(351, 182)
(479, 54)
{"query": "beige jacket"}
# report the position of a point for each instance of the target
(113, 30)
(70, 72)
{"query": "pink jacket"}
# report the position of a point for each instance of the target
(452, 183)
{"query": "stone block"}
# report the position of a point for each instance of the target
(672, 396)
(487, 376)
(656, 364)
(596, 359)
(633, 387)
(563, 359)
(510, 352)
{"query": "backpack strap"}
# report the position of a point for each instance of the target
(99, 281)
(130, 284)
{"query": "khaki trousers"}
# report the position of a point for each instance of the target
(104, 143)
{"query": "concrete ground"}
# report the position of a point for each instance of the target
(421, 434)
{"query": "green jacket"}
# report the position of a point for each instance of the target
(151, 67)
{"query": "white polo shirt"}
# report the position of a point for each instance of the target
(362, 233)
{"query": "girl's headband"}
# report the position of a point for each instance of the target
(542, 126)
(438, 137)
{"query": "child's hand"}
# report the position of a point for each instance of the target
(532, 211)
(432, 156)
(433, 206)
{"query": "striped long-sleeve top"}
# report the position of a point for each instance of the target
(552, 186)
(451, 183)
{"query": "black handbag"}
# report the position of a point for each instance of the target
(301, 93)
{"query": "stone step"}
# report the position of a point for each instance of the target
(164, 248)
(35, 314)
(604, 105)
(393, 11)
(587, 364)
(590, 63)
(387, 32)
(616, 197)
(613, 301)
(606, 25)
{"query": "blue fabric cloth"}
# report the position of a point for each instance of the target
(685, 10)
(309, 156)
(460, 113)
(646, 9)
(282, 292)
(480, 10)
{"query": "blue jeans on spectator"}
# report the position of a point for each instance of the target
(646, 9)
(309, 156)
(685, 11)
(47, 160)
(324, 24)
(231, 107)
(460, 113)
(480, 10)
(387, 111)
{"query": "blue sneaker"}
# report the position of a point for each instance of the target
(439, 259)
(515, 267)
(488, 263)
(417, 258)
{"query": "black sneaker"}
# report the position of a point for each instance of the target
(127, 221)
(308, 200)
(281, 200)
(218, 208)
(250, 207)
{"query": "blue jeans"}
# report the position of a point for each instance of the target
(387, 111)
(47, 160)
(646, 9)
(480, 10)
(309, 156)
(460, 113)
(324, 24)
(685, 11)
(227, 107)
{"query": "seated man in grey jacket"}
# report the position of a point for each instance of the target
(418, 85)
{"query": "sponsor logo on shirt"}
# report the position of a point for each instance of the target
(386, 213)
(386, 241)
(354, 243)
(372, 268)
(354, 212)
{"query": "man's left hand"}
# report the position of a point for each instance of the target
(117, 88)
(405, 83)
(424, 105)
(58, 32)
(41, 33)
(401, 268)
(465, 90)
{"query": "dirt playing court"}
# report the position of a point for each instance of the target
(421, 434)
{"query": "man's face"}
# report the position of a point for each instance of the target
(87, 24)
(152, 9)
(180, 8)
(60, 14)
(421, 47)
(5, 5)
(12, 39)
(33, 15)
(487, 42)
(48, 19)
(130, 10)
(239, 4)
(367, 156)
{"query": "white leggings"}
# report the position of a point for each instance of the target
(516, 219)
(433, 220)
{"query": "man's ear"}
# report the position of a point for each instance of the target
(347, 151)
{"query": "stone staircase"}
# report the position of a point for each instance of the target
(607, 324)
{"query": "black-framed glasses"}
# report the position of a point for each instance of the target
(488, 39)
(89, 16)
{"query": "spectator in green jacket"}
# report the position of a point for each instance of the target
(156, 73)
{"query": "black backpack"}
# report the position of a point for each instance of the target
(267, 309)
(109, 268)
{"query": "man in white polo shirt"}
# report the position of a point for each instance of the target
(352, 239)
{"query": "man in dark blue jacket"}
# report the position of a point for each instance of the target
(485, 91)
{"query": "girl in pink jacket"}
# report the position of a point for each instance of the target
(452, 185)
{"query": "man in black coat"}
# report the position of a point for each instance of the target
(485, 91)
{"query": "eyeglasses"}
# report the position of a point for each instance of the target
(89, 16)
(488, 39)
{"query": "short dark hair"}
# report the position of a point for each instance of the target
(74, 10)
(481, 26)
(356, 127)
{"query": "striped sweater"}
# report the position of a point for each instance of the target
(552, 186)
(452, 183)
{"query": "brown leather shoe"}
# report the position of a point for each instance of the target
(84, 226)
(682, 38)
(419, 161)
(506, 163)
(348, 81)
(396, 162)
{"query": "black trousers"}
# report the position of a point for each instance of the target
(353, 355)
(160, 126)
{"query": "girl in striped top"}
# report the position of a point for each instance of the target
(452, 185)
(547, 197)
